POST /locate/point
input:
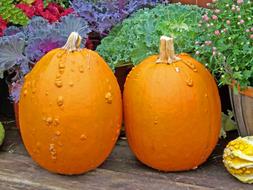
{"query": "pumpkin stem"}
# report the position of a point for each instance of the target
(73, 43)
(167, 51)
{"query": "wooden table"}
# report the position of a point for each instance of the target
(120, 171)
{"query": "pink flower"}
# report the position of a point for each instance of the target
(233, 8)
(241, 21)
(217, 11)
(251, 36)
(251, 29)
(214, 17)
(205, 18)
(228, 22)
(239, 1)
(208, 42)
(247, 30)
(217, 32)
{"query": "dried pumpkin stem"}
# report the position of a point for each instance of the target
(73, 43)
(167, 51)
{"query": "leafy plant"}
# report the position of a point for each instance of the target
(226, 41)
(63, 3)
(21, 48)
(51, 11)
(138, 36)
(12, 14)
(103, 15)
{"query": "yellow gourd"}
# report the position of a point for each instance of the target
(238, 158)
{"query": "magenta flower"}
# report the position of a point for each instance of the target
(217, 11)
(205, 17)
(214, 17)
(239, 1)
(217, 32)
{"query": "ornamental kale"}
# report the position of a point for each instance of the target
(22, 47)
(226, 41)
(138, 36)
(103, 15)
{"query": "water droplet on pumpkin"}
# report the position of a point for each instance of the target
(83, 137)
(25, 92)
(60, 101)
(189, 82)
(49, 120)
(81, 69)
(51, 147)
(155, 122)
(61, 66)
(206, 95)
(58, 83)
(58, 133)
(38, 144)
(58, 76)
(107, 80)
(71, 84)
(108, 97)
(56, 122)
(54, 158)
(177, 69)
(60, 144)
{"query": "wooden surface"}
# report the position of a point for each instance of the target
(120, 171)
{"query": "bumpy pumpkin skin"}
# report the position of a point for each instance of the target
(172, 113)
(70, 111)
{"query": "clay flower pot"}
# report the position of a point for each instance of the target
(242, 104)
(201, 3)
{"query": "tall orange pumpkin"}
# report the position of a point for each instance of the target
(172, 110)
(70, 110)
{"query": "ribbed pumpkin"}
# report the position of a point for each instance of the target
(172, 110)
(70, 110)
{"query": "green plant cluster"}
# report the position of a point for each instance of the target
(10, 13)
(138, 36)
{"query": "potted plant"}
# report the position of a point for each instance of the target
(226, 46)
(138, 36)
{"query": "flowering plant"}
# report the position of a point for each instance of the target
(226, 41)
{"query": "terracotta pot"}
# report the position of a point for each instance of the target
(201, 3)
(242, 104)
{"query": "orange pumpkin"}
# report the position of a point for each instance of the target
(172, 110)
(70, 110)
